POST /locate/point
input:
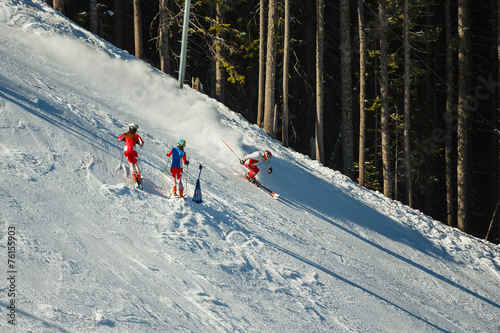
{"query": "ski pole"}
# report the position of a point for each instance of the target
(166, 166)
(230, 149)
(187, 173)
(120, 165)
(123, 167)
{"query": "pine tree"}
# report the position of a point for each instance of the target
(406, 135)
(346, 84)
(219, 57)
(163, 36)
(58, 5)
(286, 62)
(93, 16)
(320, 40)
(450, 201)
(262, 63)
(138, 29)
(270, 68)
(463, 72)
(384, 97)
(362, 93)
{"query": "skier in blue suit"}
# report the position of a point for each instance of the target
(178, 156)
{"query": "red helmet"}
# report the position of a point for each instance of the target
(267, 154)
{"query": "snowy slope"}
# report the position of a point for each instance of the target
(93, 254)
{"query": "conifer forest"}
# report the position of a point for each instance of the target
(400, 96)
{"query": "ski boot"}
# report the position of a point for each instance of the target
(251, 180)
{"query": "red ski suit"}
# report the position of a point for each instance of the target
(252, 160)
(131, 139)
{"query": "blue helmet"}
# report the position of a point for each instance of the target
(181, 143)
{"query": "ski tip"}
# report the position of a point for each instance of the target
(276, 195)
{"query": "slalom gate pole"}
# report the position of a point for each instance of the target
(197, 191)
(199, 174)
(230, 149)
(166, 167)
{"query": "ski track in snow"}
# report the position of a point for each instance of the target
(94, 254)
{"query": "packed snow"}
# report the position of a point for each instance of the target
(91, 253)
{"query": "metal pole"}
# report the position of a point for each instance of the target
(185, 29)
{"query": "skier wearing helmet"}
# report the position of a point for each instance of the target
(176, 170)
(251, 161)
(131, 138)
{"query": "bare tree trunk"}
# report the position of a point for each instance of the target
(117, 31)
(270, 68)
(450, 202)
(362, 93)
(463, 72)
(498, 106)
(384, 97)
(93, 16)
(320, 47)
(163, 33)
(346, 84)
(262, 64)
(138, 29)
(219, 58)
(286, 61)
(406, 131)
(58, 5)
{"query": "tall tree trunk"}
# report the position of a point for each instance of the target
(163, 32)
(346, 84)
(262, 63)
(117, 30)
(406, 131)
(219, 57)
(429, 167)
(138, 29)
(93, 16)
(286, 62)
(58, 5)
(450, 201)
(384, 98)
(320, 47)
(270, 68)
(362, 93)
(463, 73)
(498, 104)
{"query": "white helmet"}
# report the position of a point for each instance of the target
(267, 154)
(133, 127)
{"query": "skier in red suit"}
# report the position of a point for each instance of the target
(252, 160)
(131, 138)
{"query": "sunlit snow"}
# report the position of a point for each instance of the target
(94, 254)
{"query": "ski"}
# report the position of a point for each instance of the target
(171, 196)
(266, 190)
(137, 185)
